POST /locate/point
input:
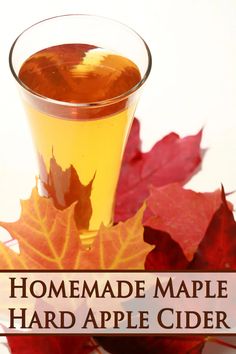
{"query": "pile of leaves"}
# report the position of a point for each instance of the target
(159, 225)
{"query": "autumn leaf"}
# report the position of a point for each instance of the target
(170, 160)
(120, 247)
(167, 255)
(48, 237)
(153, 345)
(217, 250)
(11, 260)
(51, 344)
(182, 213)
(65, 188)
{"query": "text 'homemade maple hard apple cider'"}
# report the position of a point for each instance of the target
(80, 139)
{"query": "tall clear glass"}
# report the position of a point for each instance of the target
(80, 145)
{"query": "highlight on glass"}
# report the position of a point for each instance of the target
(80, 78)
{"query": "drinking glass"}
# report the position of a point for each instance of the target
(79, 145)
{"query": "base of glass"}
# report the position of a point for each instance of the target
(87, 237)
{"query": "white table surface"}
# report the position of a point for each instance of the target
(192, 84)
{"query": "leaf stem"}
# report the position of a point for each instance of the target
(94, 343)
(221, 342)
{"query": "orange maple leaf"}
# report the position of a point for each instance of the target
(49, 239)
(120, 247)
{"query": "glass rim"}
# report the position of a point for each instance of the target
(106, 102)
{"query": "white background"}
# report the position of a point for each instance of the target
(193, 83)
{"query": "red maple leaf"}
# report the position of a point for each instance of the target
(170, 160)
(182, 213)
(159, 258)
(152, 345)
(51, 344)
(216, 251)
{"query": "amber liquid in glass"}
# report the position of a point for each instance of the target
(91, 139)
